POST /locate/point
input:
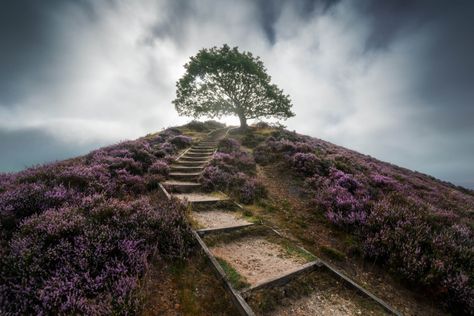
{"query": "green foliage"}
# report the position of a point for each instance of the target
(333, 253)
(225, 81)
(234, 277)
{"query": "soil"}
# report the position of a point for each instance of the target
(201, 197)
(257, 259)
(187, 287)
(330, 304)
(316, 293)
(297, 221)
(217, 219)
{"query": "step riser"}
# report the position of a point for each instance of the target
(184, 177)
(201, 149)
(198, 154)
(194, 159)
(182, 188)
(191, 163)
(197, 158)
(177, 167)
(206, 145)
(187, 170)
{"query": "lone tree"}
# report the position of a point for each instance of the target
(225, 81)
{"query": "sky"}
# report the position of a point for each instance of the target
(392, 79)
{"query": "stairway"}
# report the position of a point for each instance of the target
(183, 178)
(256, 263)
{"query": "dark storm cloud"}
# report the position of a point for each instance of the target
(389, 78)
(21, 149)
(27, 48)
(269, 12)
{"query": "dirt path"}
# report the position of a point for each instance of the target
(217, 218)
(257, 259)
(258, 255)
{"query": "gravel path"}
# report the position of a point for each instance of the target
(216, 219)
(257, 259)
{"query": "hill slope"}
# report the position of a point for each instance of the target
(91, 236)
(77, 235)
(348, 206)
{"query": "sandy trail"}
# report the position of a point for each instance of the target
(216, 219)
(257, 259)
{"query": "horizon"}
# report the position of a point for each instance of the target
(390, 80)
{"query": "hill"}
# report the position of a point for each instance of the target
(93, 235)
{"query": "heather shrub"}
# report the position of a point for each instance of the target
(252, 140)
(87, 260)
(160, 167)
(261, 125)
(437, 257)
(275, 150)
(171, 132)
(228, 145)
(204, 126)
(196, 126)
(212, 125)
(410, 222)
(215, 178)
(283, 134)
(248, 189)
(385, 182)
(232, 171)
(76, 235)
(181, 141)
(234, 162)
(308, 164)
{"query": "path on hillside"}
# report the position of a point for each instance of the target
(264, 272)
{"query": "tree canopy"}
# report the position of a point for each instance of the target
(224, 81)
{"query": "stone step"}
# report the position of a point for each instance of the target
(194, 154)
(181, 167)
(207, 153)
(207, 144)
(184, 175)
(257, 258)
(199, 149)
(174, 186)
(187, 169)
(204, 147)
(201, 197)
(195, 159)
(201, 163)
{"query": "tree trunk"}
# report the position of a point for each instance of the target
(243, 122)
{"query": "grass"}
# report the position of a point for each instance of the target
(332, 253)
(237, 281)
(250, 217)
(212, 240)
(294, 251)
(184, 287)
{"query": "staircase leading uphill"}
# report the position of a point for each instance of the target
(185, 171)
(265, 272)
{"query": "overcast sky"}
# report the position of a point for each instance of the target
(393, 79)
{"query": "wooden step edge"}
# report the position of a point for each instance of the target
(217, 230)
(238, 301)
(283, 279)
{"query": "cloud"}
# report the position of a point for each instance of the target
(391, 79)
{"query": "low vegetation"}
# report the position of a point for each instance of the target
(420, 227)
(77, 235)
(233, 171)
